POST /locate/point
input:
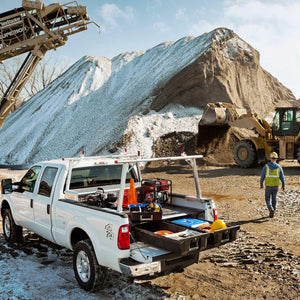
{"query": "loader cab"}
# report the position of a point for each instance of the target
(286, 121)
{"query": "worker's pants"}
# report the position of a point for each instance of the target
(271, 191)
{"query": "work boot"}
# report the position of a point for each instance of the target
(271, 213)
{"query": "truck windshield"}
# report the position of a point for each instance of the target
(99, 176)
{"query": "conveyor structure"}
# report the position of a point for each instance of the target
(34, 29)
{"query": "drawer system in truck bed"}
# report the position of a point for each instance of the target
(182, 239)
(171, 237)
(216, 238)
(222, 236)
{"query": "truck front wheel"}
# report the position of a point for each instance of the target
(245, 154)
(12, 232)
(89, 275)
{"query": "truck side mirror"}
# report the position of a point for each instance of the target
(6, 186)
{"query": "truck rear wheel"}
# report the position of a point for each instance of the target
(89, 275)
(12, 232)
(245, 154)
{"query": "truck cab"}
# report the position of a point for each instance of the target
(286, 121)
(286, 126)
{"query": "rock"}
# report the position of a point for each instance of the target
(229, 264)
(249, 261)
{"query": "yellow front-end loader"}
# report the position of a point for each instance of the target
(283, 136)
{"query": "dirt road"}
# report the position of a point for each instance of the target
(262, 264)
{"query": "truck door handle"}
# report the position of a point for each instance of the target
(48, 209)
(31, 203)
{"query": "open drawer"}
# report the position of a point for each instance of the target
(179, 240)
(216, 238)
(222, 236)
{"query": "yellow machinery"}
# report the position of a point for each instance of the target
(34, 29)
(283, 136)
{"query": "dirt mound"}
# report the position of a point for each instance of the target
(229, 71)
(215, 143)
(172, 143)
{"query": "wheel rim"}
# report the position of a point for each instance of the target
(242, 153)
(83, 266)
(7, 228)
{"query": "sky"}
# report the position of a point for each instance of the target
(270, 26)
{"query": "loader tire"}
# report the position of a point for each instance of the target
(245, 154)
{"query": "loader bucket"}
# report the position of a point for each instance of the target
(220, 114)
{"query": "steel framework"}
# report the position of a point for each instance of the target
(35, 29)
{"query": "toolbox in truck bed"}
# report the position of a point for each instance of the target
(179, 240)
(190, 222)
(139, 213)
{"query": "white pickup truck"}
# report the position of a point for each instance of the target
(87, 205)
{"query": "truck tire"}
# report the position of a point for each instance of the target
(12, 232)
(245, 154)
(89, 275)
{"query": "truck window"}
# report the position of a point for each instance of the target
(297, 115)
(287, 119)
(28, 181)
(276, 121)
(288, 115)
(47, 181)
(99, 176)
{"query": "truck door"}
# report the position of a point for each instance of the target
(23, 198)
(43, 201)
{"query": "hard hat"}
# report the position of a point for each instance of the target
(273, 155)
(216, 225)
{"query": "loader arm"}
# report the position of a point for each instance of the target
(251, 121)
(226, 114)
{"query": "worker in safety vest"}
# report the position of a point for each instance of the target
(272, 174)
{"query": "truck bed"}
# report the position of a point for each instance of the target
(170, 211)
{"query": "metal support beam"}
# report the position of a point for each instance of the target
(11, 95)
(122, 187)
(196, 178)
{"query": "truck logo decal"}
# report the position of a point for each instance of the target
(109, 231)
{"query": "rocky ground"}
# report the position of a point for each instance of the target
(263, 263)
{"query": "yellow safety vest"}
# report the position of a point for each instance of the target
(272, 176)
